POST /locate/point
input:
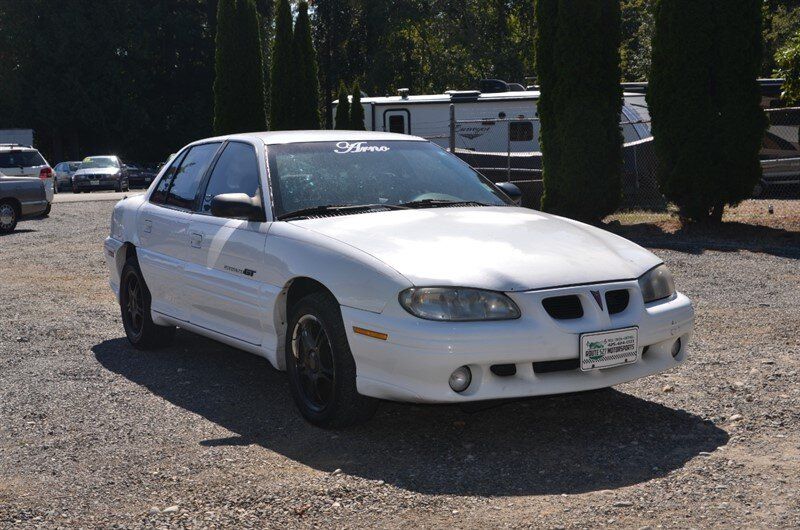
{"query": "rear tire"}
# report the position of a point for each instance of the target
(47, 210)
(8, 217)
(134, 301)
(321, 369)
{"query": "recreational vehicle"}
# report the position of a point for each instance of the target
(489, 122)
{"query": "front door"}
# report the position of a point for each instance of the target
(225, 267)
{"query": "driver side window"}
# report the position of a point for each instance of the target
(236, 171)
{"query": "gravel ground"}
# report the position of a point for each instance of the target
(95, 434)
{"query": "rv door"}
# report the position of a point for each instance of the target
(397, 121)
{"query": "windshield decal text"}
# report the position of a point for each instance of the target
(359, 147)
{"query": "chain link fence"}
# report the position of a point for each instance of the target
(509, 150)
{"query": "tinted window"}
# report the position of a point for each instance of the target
(183, 189)
(21, 159)
(159, 195)
(304, 175)
(520, 131)
(397, 124)
(236, 171)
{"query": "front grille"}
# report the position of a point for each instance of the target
(617, 301)
(504, 370)
(563, 307)
(546, 367)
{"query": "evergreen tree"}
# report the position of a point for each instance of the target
(705, 103)
(238, 106)
(342, 109)
(577, 53)
(307, 85)
(356, 110)
(282, 113)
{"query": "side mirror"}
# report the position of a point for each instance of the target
(237, 206)
(513, 192)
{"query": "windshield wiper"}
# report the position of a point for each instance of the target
(434, 203)
(346, 208)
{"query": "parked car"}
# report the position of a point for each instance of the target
(20, 198)
(63, 174)
(376, 265)
(100, 173)
(18, 160)
(140, 176)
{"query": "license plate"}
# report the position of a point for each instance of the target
(94, 182)
(609, 348)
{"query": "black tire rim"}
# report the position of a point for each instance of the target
(133, 306)
(313, 363)
(7, 216)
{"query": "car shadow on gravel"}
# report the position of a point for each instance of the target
(729, 236)
(566, 444)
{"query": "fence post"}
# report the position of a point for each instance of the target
(508, 170)
(452, 128)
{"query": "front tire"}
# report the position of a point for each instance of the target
(322, 372)
(134, 301)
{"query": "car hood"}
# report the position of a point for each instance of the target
(498, 248)
(97, 171)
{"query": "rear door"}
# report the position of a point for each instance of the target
(163, 227)
(225, 267)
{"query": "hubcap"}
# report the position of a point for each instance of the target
(134, 304)
(7, 215)
(313, 360)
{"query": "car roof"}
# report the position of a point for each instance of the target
(15, 147)
(291, 137)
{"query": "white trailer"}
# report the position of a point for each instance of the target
(16, 136)
(484, 122)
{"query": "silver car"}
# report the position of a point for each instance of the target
(25, 161)
(64, 172)
(20, 198)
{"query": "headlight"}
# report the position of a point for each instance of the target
(656, 284)
(457, 304)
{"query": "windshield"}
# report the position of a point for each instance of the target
(305, 175)
(21, 159)
(98, 161)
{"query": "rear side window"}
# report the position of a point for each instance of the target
(236, 171)
(185, 182)
(159, 195)
(21, 159)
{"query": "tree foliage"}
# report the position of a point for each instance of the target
(239, 81)
(282, 71)
(577, 50)
(342, 109)
(357, 110)
(788, 62)
(306, 94)
(705, 103)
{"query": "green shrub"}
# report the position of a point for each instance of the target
(578, 68)
(238, 106)
(283, 78)
(342, 109)
(705, 103)
(357, 110)
(306, 95)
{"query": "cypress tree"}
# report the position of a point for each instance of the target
(342, 109)
(238, 106)
(578, 68)
(307, 85)
(356, 110)
(705, 103)
(282, 72)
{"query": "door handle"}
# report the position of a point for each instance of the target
(148, 226)
(196, 239)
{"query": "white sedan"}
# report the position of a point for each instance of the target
(372, 265)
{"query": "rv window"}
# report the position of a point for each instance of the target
(397, 124)
(520, 131)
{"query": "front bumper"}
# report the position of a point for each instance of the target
(414, 364)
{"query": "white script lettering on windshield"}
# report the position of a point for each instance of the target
(359, 147)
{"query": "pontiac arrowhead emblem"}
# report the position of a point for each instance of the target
(598, 298)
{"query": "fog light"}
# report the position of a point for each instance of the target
(460, 378)
(676, 348)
